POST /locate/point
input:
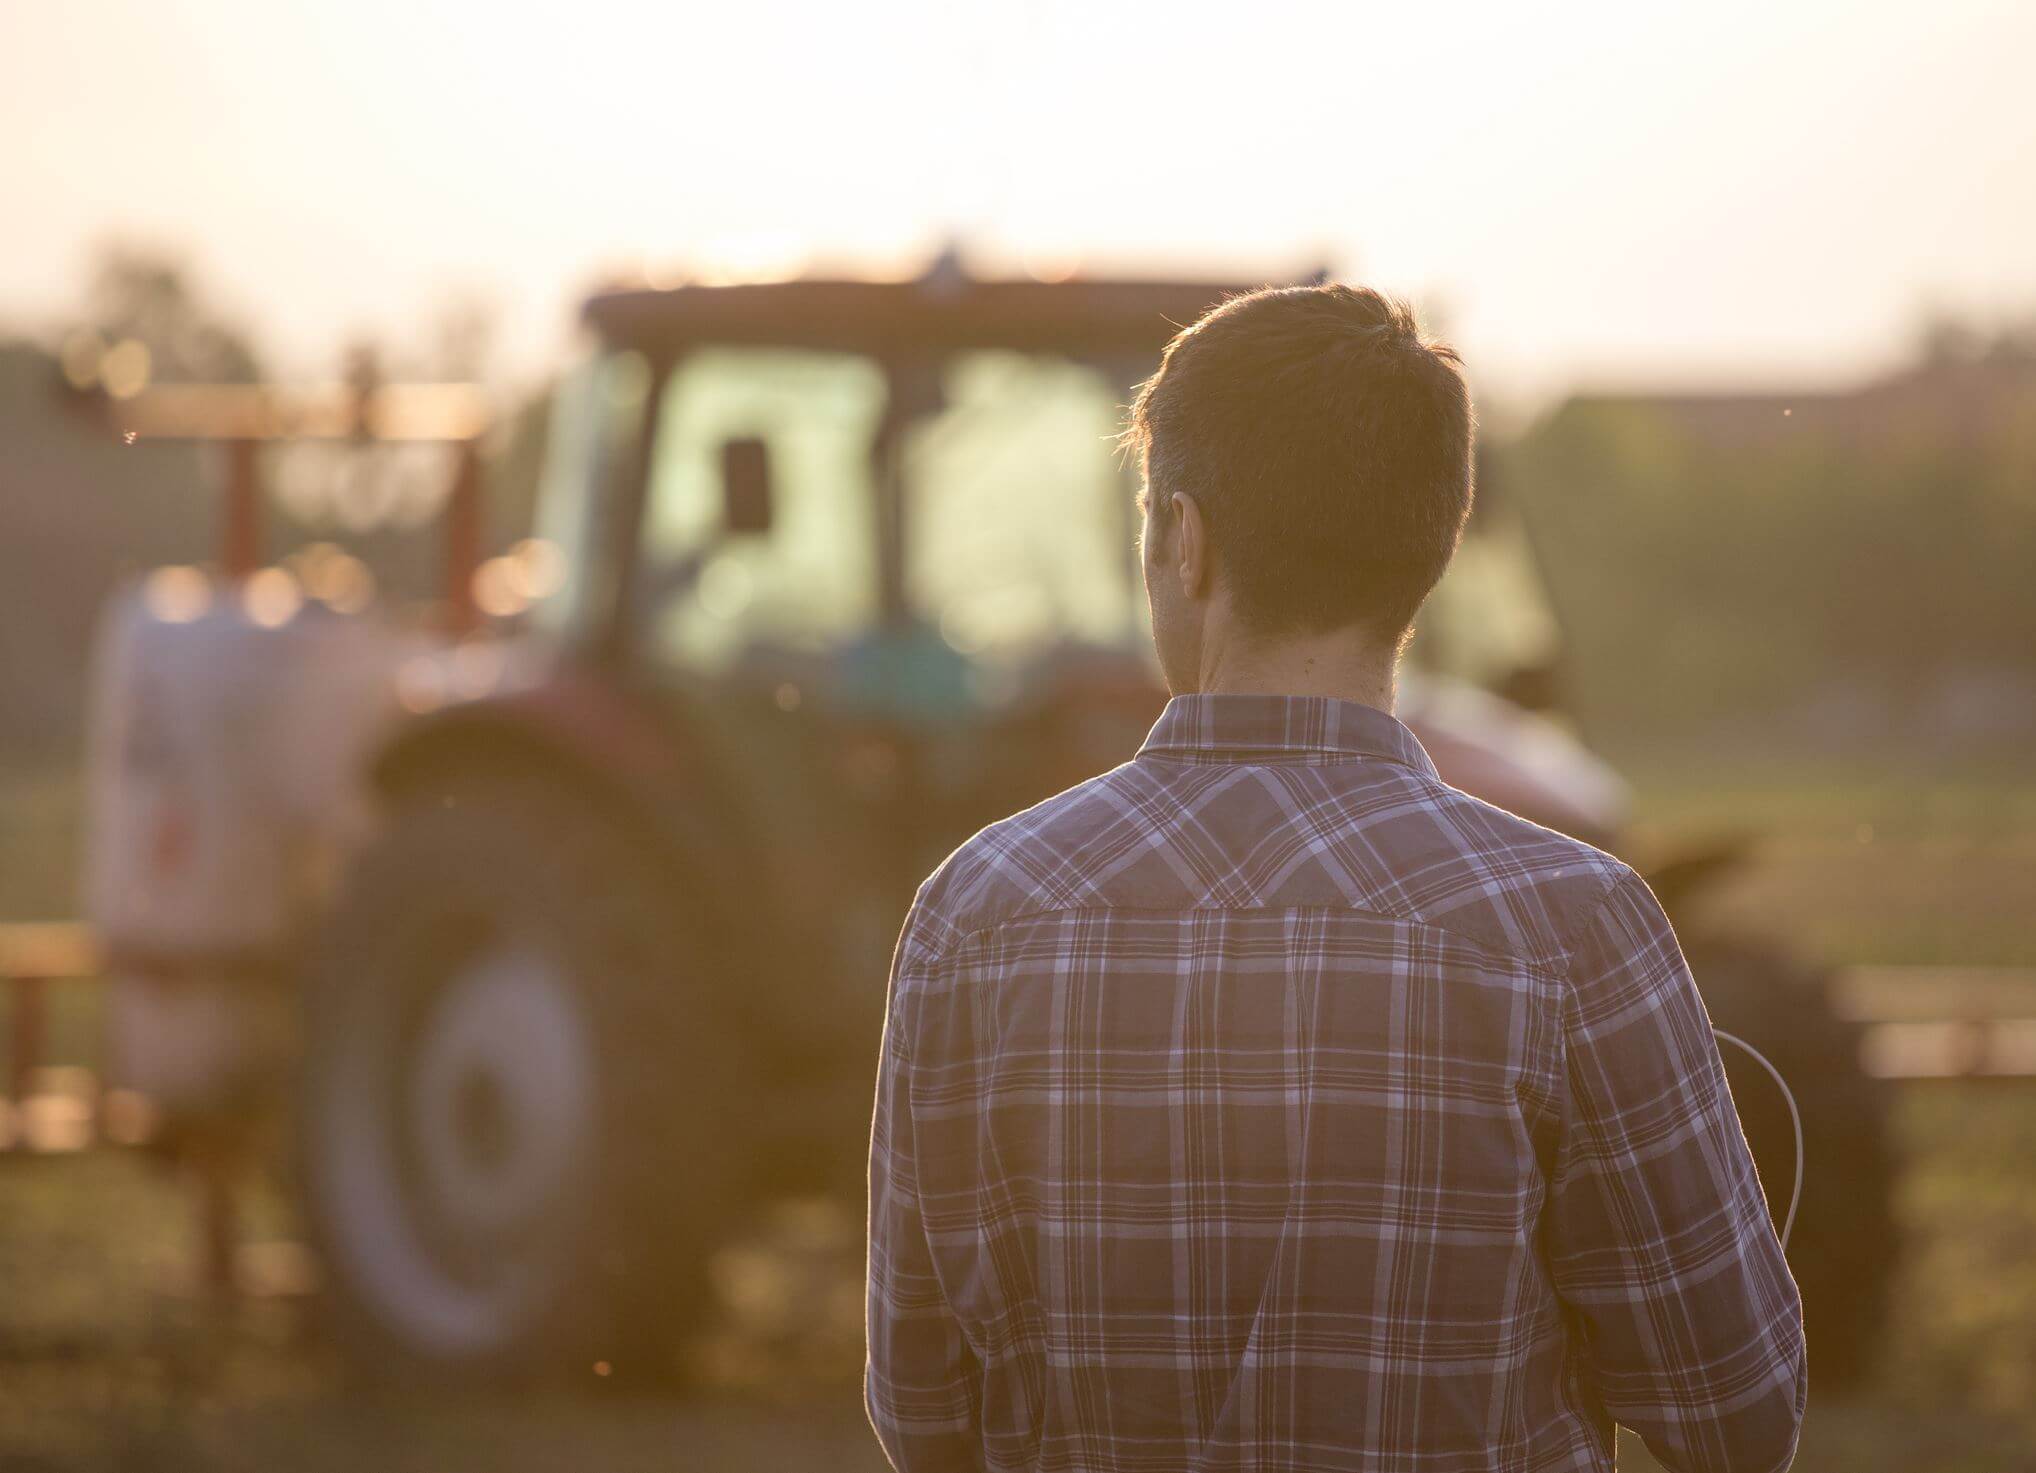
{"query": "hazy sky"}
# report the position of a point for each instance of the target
(1710, 192)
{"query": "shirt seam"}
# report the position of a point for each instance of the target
(1275, 757)
(1555, 972)
(1599, 903)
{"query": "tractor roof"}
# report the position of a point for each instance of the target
(939, 311)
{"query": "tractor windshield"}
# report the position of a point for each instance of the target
(994, 472)
(1019, 514)
(809, 582)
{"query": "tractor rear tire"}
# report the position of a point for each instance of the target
(518, 1125)
(1845, 1245)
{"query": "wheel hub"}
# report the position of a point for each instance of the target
(501, 1092)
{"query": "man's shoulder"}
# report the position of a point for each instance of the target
(1041, 858)
(1374, 837)
(1495, 878)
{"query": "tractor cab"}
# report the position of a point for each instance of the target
(793, 486)
(880, 527)
(867, 551)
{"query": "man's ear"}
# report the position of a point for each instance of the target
(1190, 553)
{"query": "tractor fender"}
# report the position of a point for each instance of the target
(646, 777)
(575, 732)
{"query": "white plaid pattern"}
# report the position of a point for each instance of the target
(1267, 1103)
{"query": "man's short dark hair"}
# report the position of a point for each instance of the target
(1328, 445)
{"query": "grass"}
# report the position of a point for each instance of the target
(110, 1359)
(41, 815)
(1865, 865)
(108, 1362)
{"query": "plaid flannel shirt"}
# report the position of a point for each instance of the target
(1267, 1103)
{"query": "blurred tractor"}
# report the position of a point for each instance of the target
(832, 574)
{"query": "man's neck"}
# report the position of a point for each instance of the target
(1338, 663)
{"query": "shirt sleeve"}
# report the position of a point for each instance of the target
(920, 1379)
(1658, 1235)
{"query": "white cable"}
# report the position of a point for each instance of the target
(1796, 1192)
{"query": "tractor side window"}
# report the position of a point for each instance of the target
(1490, 615)
(1020, 521)
(594, 419)
(810, 581)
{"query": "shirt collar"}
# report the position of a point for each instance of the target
(1270, 728)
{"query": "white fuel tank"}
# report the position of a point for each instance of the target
(226, 772)
(221, 751)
